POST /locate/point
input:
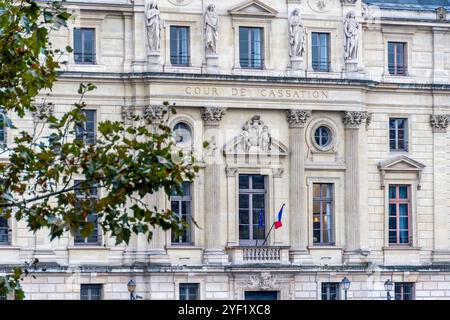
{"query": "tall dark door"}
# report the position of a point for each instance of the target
(261, 295)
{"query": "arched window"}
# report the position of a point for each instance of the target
(182, 134)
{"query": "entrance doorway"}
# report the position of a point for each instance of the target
(261, 295)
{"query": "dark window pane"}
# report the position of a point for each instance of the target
(91, 291)
(179, 45)
(244, 182)
(84, 45)
(251, 54)
(258, 182)
(189, 291)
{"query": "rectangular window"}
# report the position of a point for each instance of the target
(189, 291)
(94, 237)
(321, 52)
(404, 291)
(400, 214)
(85, 131)
(3, 126)
(261, 295)
(84, 45)
(398, 134)
(181, 204)
(91, 292)
(397, 58)
(4, 231)
(330, 290)
(252, 209)
(251, 49)
(323, 213)
(179, 46)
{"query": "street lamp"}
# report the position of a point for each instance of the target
(388, 287)
(131, 289)
(345, 285)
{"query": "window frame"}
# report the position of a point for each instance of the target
(189, 232)
(250, 45)
(405, 58)
(6, 227)
(82, 125)
(86, 241)
(320, 69)
(251, 192)
(3, 127)
(184, 286)
(90, 287)
(94, 45)
(326, 200)
(328, 286)
(397, 202)
(401, 294)
(188, 45)
(406, 134)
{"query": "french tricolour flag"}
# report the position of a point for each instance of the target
(278, 223)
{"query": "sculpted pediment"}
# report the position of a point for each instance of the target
(253, 8)
(255, 139)
(400, 164)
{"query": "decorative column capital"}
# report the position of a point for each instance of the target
(439, 122)
(297, 118)
(128, 114)
(155, 113)
(354, 119)
(213, 115)
(43, 111)
(344, 2)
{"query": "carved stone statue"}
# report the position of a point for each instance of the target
(297, 35)
(256, 134)
(153, 23)
(351, 27)
(210, 30)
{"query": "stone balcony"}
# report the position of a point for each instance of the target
(259, 255)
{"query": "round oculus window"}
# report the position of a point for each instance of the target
(182, 133)
(323, 136)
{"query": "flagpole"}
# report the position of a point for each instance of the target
(268, 234)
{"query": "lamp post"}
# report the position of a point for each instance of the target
(388, 287)
(345, 285)
(131, 289)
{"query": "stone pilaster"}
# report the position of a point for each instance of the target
(356, 177)
(215, 219)
(440, 73)
(157, 252)
(298, 253)
(439, 124)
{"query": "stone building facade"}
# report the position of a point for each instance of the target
(338, 109)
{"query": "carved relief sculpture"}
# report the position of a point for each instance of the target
(439, 122)
(43, 111)
(441, 14)
(264, 282)
(297, 35)
(351, 28)
(153, 24)
(256, 134)
(210, 30)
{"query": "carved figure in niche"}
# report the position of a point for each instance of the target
(351, 27)
(297, 35)
(153, 23)
(210, 29)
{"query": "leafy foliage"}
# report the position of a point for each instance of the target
(53, 172)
